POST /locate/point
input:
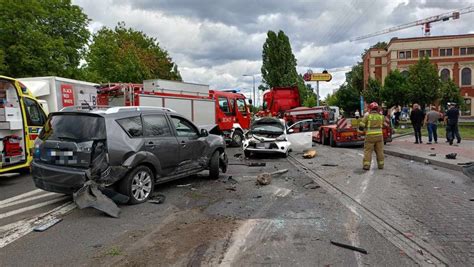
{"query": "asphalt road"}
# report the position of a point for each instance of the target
(404, 215)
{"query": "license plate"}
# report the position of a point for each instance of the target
(61, 153)
(346, 134)
(261, 145)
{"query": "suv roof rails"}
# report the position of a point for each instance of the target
(84, 108)
(136, 108)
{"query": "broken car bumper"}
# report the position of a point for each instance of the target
(57, 179)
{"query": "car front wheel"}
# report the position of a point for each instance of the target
(138, 185)
(214, 166)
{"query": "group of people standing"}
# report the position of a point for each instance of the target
(431, 120)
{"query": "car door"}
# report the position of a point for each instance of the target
(300, 136)
(192, 146)
(160, 140)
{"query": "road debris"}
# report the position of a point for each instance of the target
(432, 155)
(427, 161)
(231, 188)
(45, 226)
(468, 170)
(90, 196)
(183, 185)
(266, 178)
(312, 185)
(237, 155)
(361, 250)
(471, 199)
(309, 153)
(451, 156)
(250, 164)
(157, 199)
(329, 165)
(432, 148)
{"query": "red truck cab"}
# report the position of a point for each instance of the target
(277, 100)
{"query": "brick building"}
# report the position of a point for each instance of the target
(453, 55)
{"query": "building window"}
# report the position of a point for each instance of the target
(404, 54)
(424, 53)
(445, 52)
(405, 73)
(445, 75)
(467, 51)
(466, 76)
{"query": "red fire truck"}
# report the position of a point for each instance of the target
(226, 109)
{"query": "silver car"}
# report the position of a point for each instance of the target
(129, 149)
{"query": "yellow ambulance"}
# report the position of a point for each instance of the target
(21, 119)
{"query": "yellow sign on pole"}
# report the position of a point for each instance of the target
(317, 77)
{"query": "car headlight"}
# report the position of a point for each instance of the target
(281, 138)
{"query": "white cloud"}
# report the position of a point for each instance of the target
(216, 43)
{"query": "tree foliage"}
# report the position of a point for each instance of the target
(449, 92)
(42, 37)
(126, 55)
(310, 101)
(373, 91)
(423, 82)
(395, 89)
(331, 100)
(347, 98)
(279, 64)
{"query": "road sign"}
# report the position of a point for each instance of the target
(317, 77)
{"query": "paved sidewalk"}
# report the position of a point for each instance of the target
(404, 147)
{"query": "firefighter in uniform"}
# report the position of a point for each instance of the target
(373, 123)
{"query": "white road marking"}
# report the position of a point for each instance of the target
(239, 239)
(39, 205)
(28, 199)
(15, 198)
(19, 229)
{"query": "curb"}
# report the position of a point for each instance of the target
(402, 135)
(438, 163)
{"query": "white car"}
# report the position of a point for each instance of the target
(267, 135)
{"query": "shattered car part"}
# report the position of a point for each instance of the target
(310, 153)
(157, 199)
(47, 225)
(89, 196)
(266, 178)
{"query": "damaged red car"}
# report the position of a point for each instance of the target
(128, 149)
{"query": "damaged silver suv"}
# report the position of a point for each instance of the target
(128, 149)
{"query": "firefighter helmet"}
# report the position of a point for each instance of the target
(373, 106)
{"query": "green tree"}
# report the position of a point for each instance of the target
(310, 101)
(126, 55)
(42, 37)
(331, 100)
(347, 98)
(423, 82)
(355, 77)
(395, 89)
(3, 67)
(372, 92)
(279, 64)
(449, 92)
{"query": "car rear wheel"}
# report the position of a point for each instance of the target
(247, 153)
(237, 138)
(214, 166)
(138, 185)
(323, 138)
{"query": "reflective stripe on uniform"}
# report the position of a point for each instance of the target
(374, 124)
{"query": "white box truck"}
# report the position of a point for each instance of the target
(54, 93)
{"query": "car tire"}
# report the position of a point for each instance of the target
(237, 138)
(323, 138)
(214, 166)
(143, 179)
(332, 142)
(286, 154)
(247, 153)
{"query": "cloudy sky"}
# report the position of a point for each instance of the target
(215, 42)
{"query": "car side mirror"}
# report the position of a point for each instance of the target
(291, 131)
(204, 133)
(250, 101)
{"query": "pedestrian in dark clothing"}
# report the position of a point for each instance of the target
(451, 119)
(397, 117)
(417, 117)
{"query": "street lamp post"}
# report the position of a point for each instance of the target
(253, 78)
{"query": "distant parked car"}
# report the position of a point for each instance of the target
(267, 135)
(127, 148)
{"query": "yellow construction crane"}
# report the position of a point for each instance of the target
(426, 23)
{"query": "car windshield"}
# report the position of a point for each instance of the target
(75, 127)
(267, 126)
